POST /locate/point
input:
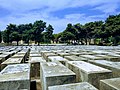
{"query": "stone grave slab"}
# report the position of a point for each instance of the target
(63, 54)
(57, 59)
(86, 72)
(75, 58)
(15, 77)
(92, 57)
(4, 56)
(110, 84)
(35, 55)
(74, 86)
(46, 55)
(11, 61)
(113, 66)
(54, 73)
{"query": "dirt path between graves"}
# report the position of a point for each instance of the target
(38, 85)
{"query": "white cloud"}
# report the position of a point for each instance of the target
(106, 8)
(58, 24)
(21, 11)
(74, 16)
(23, 5)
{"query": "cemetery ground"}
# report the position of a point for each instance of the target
(60, 67)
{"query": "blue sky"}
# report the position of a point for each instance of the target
(58, 13)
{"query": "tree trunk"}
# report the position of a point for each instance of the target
(28, 43)
(81, 41)
(94, 41)
(17, 43)
(89, 40)
(35, 42)
(86, 40)
(38, 43)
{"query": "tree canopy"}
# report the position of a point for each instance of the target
(107, 32)
(97, 32)
(27, 32)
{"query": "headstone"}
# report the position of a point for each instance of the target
(92, 57)
(57, 59)
(54, 73)
(35, 55)
(15, 77)
(63, 54)
(110, 84)
(4, 56)
(46, 55)
(87, 72)
(113, 66)
(75, 58)
(11, 61)
(74, 86)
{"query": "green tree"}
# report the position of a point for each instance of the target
(21, 28)
(12, 27)
(57, 37)
(89, 28)
(49, 33)
(93, 30)
(80, 32)
(5, 36)
(15, 36)
(9, 29)
(28, 35)
(70, 28)
(38, 27)
(98, 31)
(67, 37)
(112, 28)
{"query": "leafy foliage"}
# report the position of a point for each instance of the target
(106, 32)
(102, 33)
(48, 35)
(27, 32)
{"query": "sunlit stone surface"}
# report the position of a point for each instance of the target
(15, 77)
(54, 73)
(75, 86)
(57, 59)
(60, 67)
(87, 72)
(110, 84)
(113, 66)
